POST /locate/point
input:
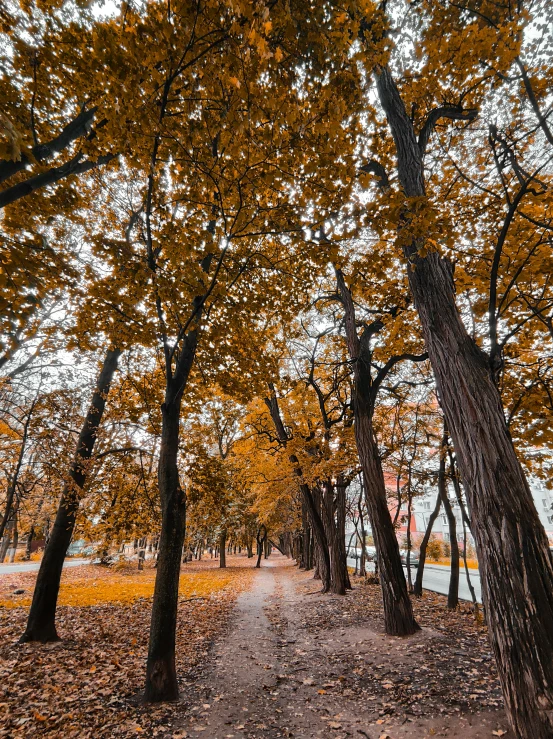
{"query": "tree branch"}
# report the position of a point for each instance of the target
(453, 112)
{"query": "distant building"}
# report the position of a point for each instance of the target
(423, 507)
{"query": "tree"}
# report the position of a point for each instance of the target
(513, 538)
(41, 622)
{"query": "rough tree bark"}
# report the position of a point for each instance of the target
(398, 611)
(161, 674)
(41, 624)
(338, 567)
(513, 553)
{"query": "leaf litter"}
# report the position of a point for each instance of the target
(88, 685)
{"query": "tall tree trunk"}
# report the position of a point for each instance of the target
(15, 537)
(308, 496)
(466, 524)
(408, 539)
(453, 591)
(5, 543)
(305, 536)
(513, 552)
(398, 611)
(260, 538)
(363, 560)
(222, 548)
(41, 624)
(341, 528)
(337, 579)
(417, 588)
(161, 674)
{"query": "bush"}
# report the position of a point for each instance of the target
(446, 549)
(434, 548)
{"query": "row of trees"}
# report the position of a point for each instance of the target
(232, 181)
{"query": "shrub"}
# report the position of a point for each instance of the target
(434, 548)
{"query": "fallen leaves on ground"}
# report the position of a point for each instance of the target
(445, 669)
(87, 685)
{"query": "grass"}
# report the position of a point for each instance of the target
(105, 586)
(472, 564)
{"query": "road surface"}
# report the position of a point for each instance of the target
(436, 578)
(30, 566)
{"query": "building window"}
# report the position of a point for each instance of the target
(550, 519)
(545, 504)
(444, 520)
(446, 537)
(427, 505)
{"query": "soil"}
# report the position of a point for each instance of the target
(296, 663)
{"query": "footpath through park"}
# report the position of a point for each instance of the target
(296, 663)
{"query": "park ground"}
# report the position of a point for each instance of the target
(261, 653)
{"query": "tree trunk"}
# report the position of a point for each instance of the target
(466, 524)
(417, 588)
(398, 611)
(161, 675)
(453, 592)
(513, 552)
(308, 496)
(41, 624)
(305, 536)
(260, 542)
(5, 544)
(341, 528)
(29, 543)
(15, 538)
(222, 548)
(339, 578)
(408, 536)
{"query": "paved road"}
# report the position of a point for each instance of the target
(436, 578)
(30, 566)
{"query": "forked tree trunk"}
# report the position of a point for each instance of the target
(398, 611)
(161, 674)
(513, 553)
(41, 624)
(417, 588)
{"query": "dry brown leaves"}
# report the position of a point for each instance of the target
(88, 684)
(447, 668)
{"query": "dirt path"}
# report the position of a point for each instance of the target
(275, 675)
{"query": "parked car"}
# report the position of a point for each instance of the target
(414, 559)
